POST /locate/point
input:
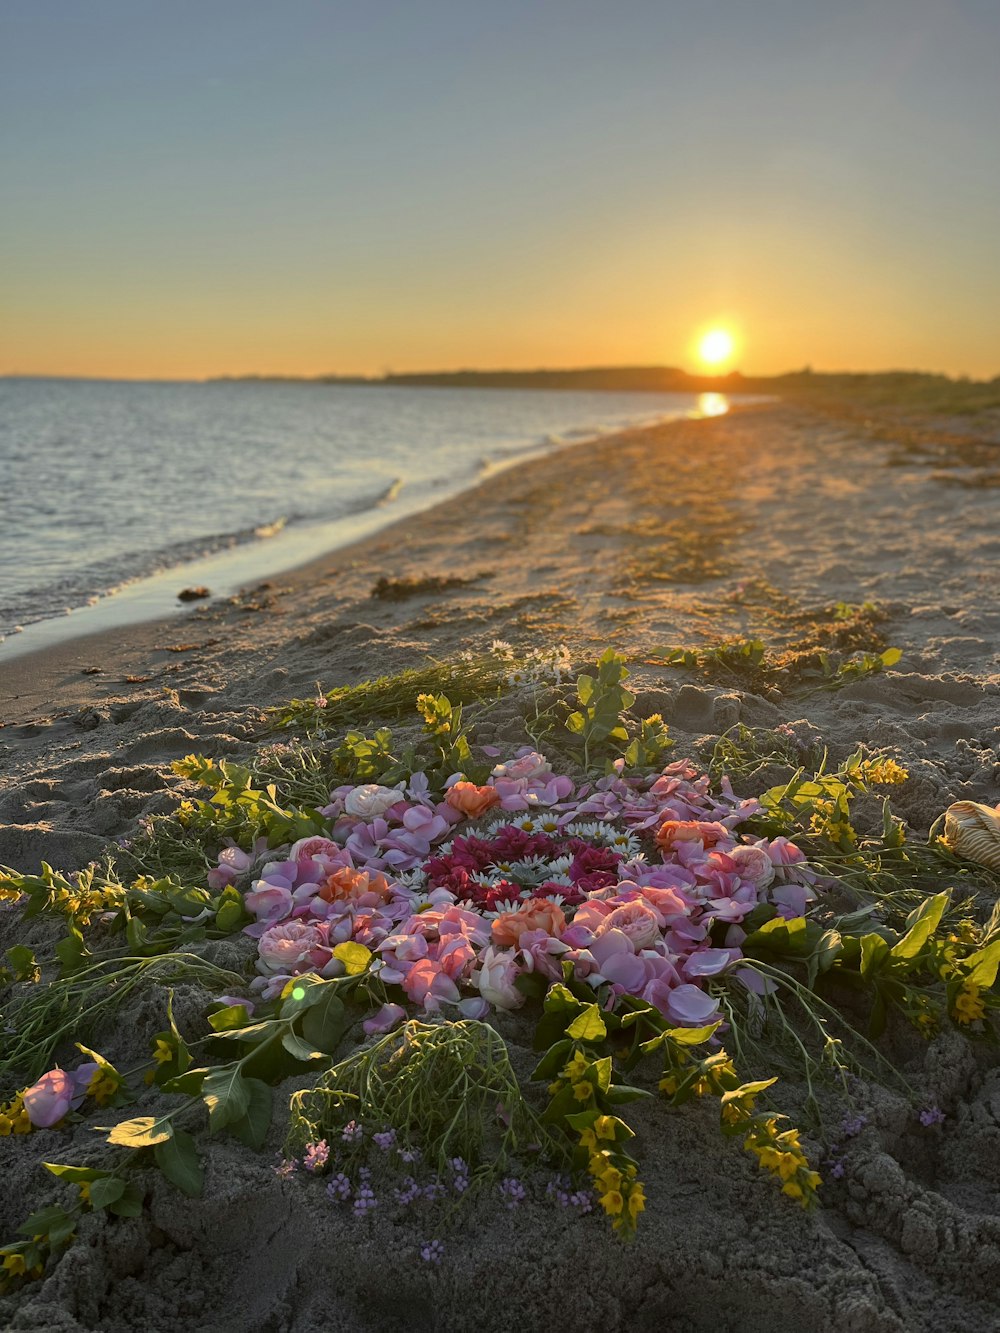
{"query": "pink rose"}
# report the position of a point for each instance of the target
(635, 920)
(754, 864)
(284, 948)
(495, 978)
(524, 768)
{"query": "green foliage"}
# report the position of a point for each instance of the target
(646, 752)
(602, 699)
(445, 1088)
(237, 809)
(42, 1017)
(22, 965)
(471, 680)
(751, 664)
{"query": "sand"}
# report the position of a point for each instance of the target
(675, 536)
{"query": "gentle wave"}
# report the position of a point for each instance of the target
(105, 485)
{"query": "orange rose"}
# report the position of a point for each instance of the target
(536, 914)
(672, 831)
(348, 883)
(470, 800)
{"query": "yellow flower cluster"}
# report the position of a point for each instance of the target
(968, 1006)
(14, 1118)
(103, 1086)
(885, 772)
(782, 1154)
(573, 1073)
(619, 1193)
(833, 823)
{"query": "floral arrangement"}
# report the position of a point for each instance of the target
(638, 911)
(635, 886)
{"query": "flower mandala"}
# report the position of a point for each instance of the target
(632, 886)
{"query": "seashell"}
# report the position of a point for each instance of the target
(972, 831)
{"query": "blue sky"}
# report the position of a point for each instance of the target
(193, 189)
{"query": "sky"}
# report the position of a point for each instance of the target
(303, 187)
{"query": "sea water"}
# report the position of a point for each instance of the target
(116, 494)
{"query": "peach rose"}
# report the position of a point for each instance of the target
(672, 831)
(350, 884)
(536, 914)
(470, 800)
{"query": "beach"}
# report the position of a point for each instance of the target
(773, 523)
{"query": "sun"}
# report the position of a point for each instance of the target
(715, 347)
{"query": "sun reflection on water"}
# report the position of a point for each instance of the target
(712, 405)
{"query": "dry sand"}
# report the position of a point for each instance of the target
(672, 536)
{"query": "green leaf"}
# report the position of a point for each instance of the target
(72, 1174)
(325, 1023)
(225, 1094)
(620, 1093)
(232, 1016)
(553, 1059)
(920, 926)
(38, 1224)
(145, 1131)
(106, 1191)
(301, 993)
(588, 1026)
(982, 966)
(299, 1049)
(874, 951)
(747, 1089)
(178, 1159)
(691, 1036)
(130, 1203)
(252, 1127)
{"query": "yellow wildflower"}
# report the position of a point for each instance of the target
(582, 1092)
(612, 1203)
(604, 1127)
(84, 1187)
(164, 1051)
(968, 1005)
(576, 1068)
(14, 1264)
(636, 1201)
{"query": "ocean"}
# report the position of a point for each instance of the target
(115, 495)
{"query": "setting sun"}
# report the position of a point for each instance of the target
(715, 347)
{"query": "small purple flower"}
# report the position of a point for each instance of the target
(364, 1201)
(317, 1155)
(512, 1192)
(385, 1140)
(853, 1125)
(410, 1192)
(339, 1188)
(932, 1115)
(352, 1132)
(432, 1251)
(434, 1190)
(409, 1155)
(285, 1168)
(582, 1200)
